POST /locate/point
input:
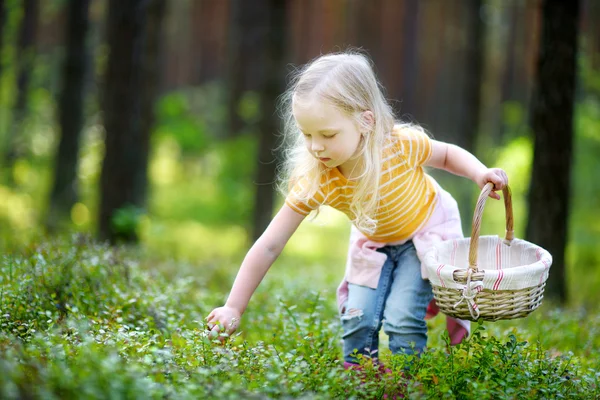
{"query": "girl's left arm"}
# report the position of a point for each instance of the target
(460, 162)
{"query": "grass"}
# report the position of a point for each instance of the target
(81, 320)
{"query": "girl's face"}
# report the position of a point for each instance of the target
(331, 136)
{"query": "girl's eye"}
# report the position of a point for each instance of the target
(330, 136)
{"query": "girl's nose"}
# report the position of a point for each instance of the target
(317, 147)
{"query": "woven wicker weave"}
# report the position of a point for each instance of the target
(473, 297)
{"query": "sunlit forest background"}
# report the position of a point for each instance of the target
(152, 125)
(212, 103)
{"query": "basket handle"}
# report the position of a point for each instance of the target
(474, 246)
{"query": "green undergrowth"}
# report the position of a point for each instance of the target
(80, 319)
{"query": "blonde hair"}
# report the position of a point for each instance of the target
(348, 82)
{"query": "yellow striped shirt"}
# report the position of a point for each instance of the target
(406, 193)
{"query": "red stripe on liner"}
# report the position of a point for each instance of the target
(498, 267)
(439, 270)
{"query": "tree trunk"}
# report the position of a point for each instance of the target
(552, 124)
(410, 56)
(3, 19)
(124, 161)
(515, 85)
(593, 33)
(368, 35)
(510, 68)
(469, 124)
(247, 34)
(391, 71)
(71, 104)
(270, 123)
(3, 24)
(151, 84)
(16, 145)
(213, 23)
(300, 21)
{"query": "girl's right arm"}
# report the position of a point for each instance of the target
(257, 262)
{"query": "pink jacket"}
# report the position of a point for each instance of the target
(364, 263)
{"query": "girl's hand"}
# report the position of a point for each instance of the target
(223, 320)
(495, 175)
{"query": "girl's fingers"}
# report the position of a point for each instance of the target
(233, 325)
(219, 323)
(209, 321)
(497, 181)
(499, 178)
(215, 330)
(502, 178)
(212, 321)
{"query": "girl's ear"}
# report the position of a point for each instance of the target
(368, 119)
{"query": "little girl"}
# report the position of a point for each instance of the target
(348, 152)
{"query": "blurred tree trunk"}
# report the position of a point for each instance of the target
(391, 71)
(469, 124)
(429, 59)
(3, 19)
(131, 66)
(247, 34)
(469, 111)
(151, 84)
(71, 109)
(332, 20)
(514, 33)
(350, 17)
(274, 58)
(300, 20)
(593, 33)
(368, 35)
(410, 56)
(552, 124)
(447, 75)
(211, 27)
(515, 84)
(26, 51)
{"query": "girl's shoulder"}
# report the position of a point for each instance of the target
(406, 136)
(411, 142)
(408, 131)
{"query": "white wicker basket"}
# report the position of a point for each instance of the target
(509, 281)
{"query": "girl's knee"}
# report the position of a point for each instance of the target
(352, 313)
(356, 321)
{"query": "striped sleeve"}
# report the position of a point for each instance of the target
(415, 145)
(298, 201)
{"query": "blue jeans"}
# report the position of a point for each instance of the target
(399, 304)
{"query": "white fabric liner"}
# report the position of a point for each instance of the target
(516, 266)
